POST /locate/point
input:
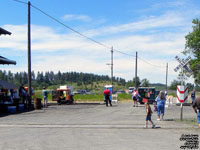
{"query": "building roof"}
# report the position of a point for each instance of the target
(5, 61)
(3, 31)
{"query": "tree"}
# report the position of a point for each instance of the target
(174, 84)
(129, 83)
(190, 86)
(192, 46)
(137, 81)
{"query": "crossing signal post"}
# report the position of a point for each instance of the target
(183, 65)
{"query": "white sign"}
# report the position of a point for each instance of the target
(183, 65)
(182, 93)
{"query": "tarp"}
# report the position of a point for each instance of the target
(4, 61)
(6, 85)
(3, 31)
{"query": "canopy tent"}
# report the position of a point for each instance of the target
(3, 31)
(5, 61)
(6, 85)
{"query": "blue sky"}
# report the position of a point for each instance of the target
(154, 28)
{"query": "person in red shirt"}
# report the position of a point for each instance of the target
(107, 96)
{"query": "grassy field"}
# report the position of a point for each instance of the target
(188, 121)
(100, 97)
(96, 97)
(87, 97)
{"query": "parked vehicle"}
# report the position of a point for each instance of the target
(64, 94)
(130, 90)
(147, 93)
(120, 91)
(83, 92)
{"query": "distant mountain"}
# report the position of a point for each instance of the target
(158, 86)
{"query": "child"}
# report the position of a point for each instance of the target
(148, 115)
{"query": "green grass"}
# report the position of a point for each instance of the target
(124, 96)
(191, 121)
(96, 97)
(79, 97)
(100, 97)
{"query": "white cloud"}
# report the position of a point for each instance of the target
(71, 17)
(70, 52)
(169, 19)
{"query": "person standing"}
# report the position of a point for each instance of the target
(160, 103)
(148, 115)
(22, 94)
(196, 107)
(193, 96)
(45, 97)
(135, 98)
(107, 96)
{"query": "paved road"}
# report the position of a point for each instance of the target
(93, 127)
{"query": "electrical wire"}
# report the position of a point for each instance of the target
(79, 32)
(70, 27)
(95, 41)
(20, 2)
(123, 53)
(150, 63)
(53, 18)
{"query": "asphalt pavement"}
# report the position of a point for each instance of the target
(94, 127)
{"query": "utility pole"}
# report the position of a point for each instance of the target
(29, 53)
(166, 76)
(136, 71)
(111, 65)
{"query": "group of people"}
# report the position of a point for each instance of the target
(160, 105)
(160, 108)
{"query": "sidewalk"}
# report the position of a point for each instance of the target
(95, 127)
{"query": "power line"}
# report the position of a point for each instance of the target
(124, 53)
(70, 27)
(53, 18)
(20, 2)
(95, 41)
(79, 32)
(151, 63)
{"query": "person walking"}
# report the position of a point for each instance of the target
(107, 96)
(45, 97)
(160, 103)
(196, 107)
(149, 112)
(193, 96)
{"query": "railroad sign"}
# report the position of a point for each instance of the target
(182, 93)
(183, 64)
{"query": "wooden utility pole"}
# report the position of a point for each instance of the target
(111, 65)
(29, 53)
(136, 71)
(166, 76)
